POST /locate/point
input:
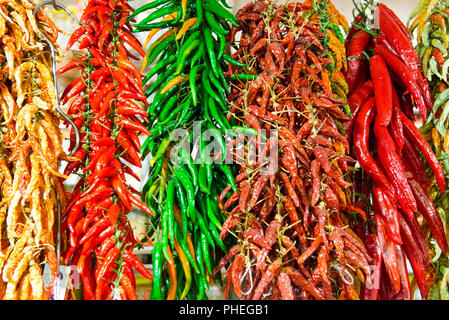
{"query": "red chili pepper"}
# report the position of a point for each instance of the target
(75, 36)
(137, 264)
(356, 101)
(412, 132)
(428, 210)
(357, 45)
(139, 204)
(392, 165)
(388, 251)
(389, 213)
(127, 65)
(99, 226)
(73, 89)
(121, 192)
(399, 38)
(131, 40)
(129, 124)
(370, 289)
(413, 254)
(69, 66)
(383, 91)
(361, 147)
(413, 158)
(405, 75)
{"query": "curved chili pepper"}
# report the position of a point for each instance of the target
(415, 136)
(361, 148)
(393, 166)
(357, 45)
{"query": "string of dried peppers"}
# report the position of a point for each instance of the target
(30, 151)
(105, 103)
(430, 19)
(389, 83)
(291, 224)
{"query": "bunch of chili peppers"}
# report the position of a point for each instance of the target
(291, 221)
(430, 19)
(105, 103)
(30, 151)
(390, 149)
(188, 92)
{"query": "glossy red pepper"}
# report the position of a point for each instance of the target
(412, 133)
(383, 91)
(405, 75)
(392, 165)
(361, 148)
(357, 45)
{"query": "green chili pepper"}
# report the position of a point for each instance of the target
(211, 214)
(156, 255)
(164, 62)
(161, 151)
(229, 176)
(221, 120)
(206, 253)
(182, 202)
(168, 107)
(205, 230)
(227, 58)
(202, 180)
(199, 13)
(220, 11)
(208, 88)
(186, 250)
(209, 39)
(163, 11)
(246, 77)
(191, 43)
(214, 25)
(148, 6)
(192, 81)
(161, 79)
(199, 53)
(188, 162)
(184, 177)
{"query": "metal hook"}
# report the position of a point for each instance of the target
(58, 6)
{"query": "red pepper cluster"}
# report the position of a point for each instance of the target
(390, 149)
(290, 223)
(104, 105)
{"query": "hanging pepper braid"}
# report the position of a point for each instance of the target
(30, 151)
(105, 103)
(291, 224)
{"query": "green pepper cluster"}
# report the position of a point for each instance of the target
(189, 90)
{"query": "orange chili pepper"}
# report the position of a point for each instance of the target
(174, 82)
(171, 275)
(189, 23)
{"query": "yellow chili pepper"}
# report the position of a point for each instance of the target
(436, 139)
(186, 25)
(186, 268)
(184, 8)
(189, 243)
(171, 275)
(174, 82)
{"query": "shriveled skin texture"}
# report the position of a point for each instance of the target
(291, 223)
(30, 151)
